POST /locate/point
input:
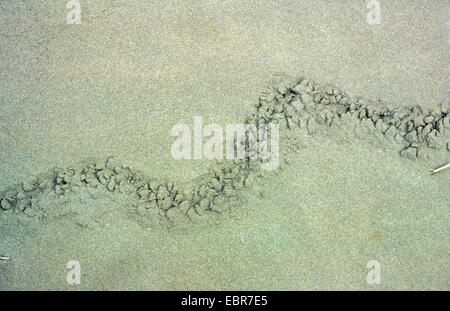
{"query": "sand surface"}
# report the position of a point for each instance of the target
(116, 85)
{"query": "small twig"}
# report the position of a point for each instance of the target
(439, 169)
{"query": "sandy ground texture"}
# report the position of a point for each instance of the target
(117, 83)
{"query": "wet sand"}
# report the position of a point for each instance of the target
(117, 84)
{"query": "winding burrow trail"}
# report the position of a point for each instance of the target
(297, 105)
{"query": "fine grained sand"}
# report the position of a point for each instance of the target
(117, 83)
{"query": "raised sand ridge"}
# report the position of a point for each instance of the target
(297, 105)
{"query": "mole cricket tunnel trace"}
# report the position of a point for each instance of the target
(295, 104)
